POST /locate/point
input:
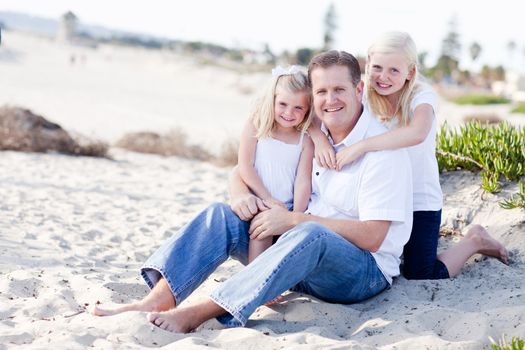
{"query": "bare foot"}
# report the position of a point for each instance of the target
(158, 299)
(186, 319)
(176, 320)
(138, 306)
(487, 245)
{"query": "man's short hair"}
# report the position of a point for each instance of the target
(339, 58)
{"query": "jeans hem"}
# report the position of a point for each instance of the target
(239, 319)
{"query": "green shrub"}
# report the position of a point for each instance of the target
(519, 108)
(516, 343)
(516, 200)
(498, 151)
(475, 99)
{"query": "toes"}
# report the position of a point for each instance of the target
(152, 316)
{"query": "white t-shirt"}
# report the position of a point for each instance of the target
(425, 171)
(378, 186)
(276, 164)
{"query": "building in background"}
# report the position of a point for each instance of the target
(67, 27)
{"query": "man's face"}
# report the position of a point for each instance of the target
(336, 101)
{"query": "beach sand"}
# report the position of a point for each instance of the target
(75, 230)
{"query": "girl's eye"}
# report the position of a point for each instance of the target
(299, 108)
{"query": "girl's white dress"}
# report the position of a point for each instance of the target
(276, 164)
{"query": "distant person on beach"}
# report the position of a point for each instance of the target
(345, 248)
(275, 154)
(403, 103)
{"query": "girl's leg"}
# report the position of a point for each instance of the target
(256, 247)
(477, 240)
(420, 253)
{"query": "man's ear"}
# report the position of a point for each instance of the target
(359, 88)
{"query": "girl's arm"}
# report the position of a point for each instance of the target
(324, 152)
(406, 136)
(246, 159)
(303, 179)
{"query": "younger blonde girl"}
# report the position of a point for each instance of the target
(275, 154)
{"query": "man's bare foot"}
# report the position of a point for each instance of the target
(186, 319)
(176, 320)
(486, 244)
(138, 306)
(159, 298)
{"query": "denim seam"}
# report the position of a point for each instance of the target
(234, 312)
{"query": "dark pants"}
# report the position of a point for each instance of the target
(420, 253)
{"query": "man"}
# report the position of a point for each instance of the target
(344, 249)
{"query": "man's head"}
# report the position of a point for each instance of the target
(337, 91)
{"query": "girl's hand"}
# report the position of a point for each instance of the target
(348, 155)
(247, 206)
(271, 202)
(324, 152)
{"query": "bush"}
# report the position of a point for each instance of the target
(516, 343)
(24, 131)
(519, 108)
(174, 143)
(495, 150)
(475, 99)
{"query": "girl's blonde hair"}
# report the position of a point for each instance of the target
(263, 115)
(402, 43)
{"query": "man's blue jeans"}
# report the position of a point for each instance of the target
(308, 258)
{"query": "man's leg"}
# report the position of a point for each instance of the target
(185, 260)
(310, 257)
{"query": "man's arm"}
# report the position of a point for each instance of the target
(367, 235)
(243, 203)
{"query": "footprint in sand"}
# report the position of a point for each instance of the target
(25, 288)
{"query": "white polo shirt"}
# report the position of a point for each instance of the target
(377, 186)
(425, 171)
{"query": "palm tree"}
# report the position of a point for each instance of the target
(511, 47)
(330, 25)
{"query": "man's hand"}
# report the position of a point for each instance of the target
(247, 206)
(272, 222)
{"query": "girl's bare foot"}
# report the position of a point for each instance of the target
(486, 244)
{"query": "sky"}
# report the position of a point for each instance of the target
(291, 24)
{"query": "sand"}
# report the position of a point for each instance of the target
(75, 230)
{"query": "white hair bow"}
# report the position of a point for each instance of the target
(279, 71)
